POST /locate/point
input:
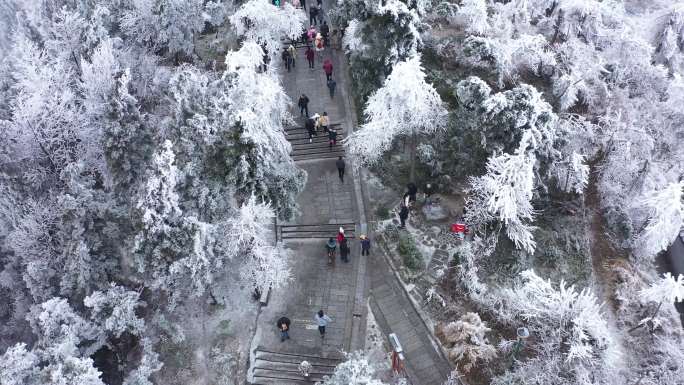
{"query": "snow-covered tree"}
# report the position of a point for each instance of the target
(127, 140)
(667, 289)
(506, 191)
(665, 220)
(508, 59)
(159, 202)
(670, 39)
(264, 23)
(378, 36)
(18, 365)
(355, 370)
(405, 106)
(114, 310)
(572, 342)
(472, 15)
(258, 109)
(149, 364)
(165, 26)
(466, 341)
(265, 265)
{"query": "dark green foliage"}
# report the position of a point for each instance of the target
(410, 254)
(387, 40)
(382, 213)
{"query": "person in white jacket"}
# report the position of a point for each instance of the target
(322, 320)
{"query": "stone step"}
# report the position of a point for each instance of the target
(282, 368)
(320, 231)
(278, 381)
(335, 125)
(324, 155)
(310, 235)
(296, 147)
(304, 139)
(290, 357)
(269, 378)
(292, 367)
(321, 152)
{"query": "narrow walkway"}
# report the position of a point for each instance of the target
(395, 313)
(325, 204)
(343, 291)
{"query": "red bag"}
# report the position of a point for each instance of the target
(459, 228)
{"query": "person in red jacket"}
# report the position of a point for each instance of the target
(340, 235)
(310, 56)
(328, 68)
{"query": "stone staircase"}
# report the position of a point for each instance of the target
(280, 368)
(319, 231)
(318, 149)
(438, 262)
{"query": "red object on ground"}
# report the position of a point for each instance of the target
(459, 228)
(397, 364)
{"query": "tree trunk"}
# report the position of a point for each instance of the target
(557, 27)
(412, 158)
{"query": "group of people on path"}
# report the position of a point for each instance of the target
(341, 240)
(317, 122)
(284, 323)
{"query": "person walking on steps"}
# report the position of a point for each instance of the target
(286, 58)
(403, 215)
(313, 14)
(284, 327)
(322, 320)
(328, 68)
(331, 87)
(311, 34)
(310, 56)
(340, 235)
(310, 128)
(319, 45)
(330, 246)
(340, 168)
(332, 137)
(305, 36)
(365, 245)
(344, 251)
(292, 51)
(323, 121)
(303, 104)
(317, 122)
(325, 31)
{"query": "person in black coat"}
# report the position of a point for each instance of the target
(310, 128)
(284, 327)
(365, 245)
(344, 251)
(313, 14)
(403, 215)
(340, 168)
(325, 32)
(412, 190)
(303, 104)
(332, 137)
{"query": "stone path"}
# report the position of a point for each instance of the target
(395, 313)
(324, 205)
(341, 291)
